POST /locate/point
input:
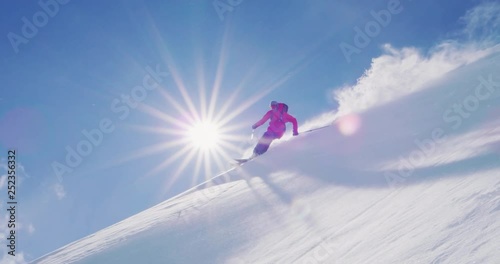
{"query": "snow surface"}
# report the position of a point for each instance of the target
(370, 193)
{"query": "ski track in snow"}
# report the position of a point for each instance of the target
(324, 197)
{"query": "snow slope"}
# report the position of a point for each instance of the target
(416, 182)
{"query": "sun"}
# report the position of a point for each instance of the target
(204, 135)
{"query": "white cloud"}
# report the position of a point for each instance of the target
(22, 171)
(6, 258)
(31, 229)
(3, 169)
(3, 180)
(18, 259)
(59, 191)
(21, 174)
(483, 22)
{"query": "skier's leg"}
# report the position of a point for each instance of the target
(264, 143)
(259, 148)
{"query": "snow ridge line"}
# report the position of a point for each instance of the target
(196, 187)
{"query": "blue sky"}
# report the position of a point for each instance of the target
(65, 78)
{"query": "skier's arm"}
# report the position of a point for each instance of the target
(293, 120)
(262, 121)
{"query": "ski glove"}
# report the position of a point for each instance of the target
(295, 133)
(254, 127)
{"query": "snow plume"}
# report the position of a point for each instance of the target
(399, 72)
(319, 121)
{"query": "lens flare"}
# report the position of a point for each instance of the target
(348, 125)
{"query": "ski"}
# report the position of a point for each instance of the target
(242, 161)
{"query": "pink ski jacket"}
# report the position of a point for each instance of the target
(277, 125)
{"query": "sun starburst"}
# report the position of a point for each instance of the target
(202, 138)
(200, 134)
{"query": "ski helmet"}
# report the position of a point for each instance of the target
(274, 104)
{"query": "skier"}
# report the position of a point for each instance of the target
(278, 116)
